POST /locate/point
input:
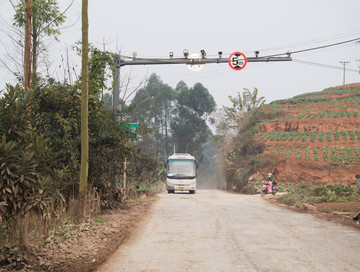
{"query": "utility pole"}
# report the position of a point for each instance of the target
(116, 91)
(344, 63)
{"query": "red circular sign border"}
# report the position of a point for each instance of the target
(237, 69)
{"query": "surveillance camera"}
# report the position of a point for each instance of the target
(203, 53)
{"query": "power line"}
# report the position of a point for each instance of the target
(323, 65)
(324, 39)
(316, 48)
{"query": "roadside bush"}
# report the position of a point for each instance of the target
(242, 150)
(307, 193)
(30, 172)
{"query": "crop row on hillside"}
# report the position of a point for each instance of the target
(336, 92)
(315, 97)
(312, 136)
(348, 104)
(326, 154)
(302, 100)
(320, 115)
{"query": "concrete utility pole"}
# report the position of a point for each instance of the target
(116, 91)
(344, 63)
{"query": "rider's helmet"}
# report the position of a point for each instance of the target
(269, 175)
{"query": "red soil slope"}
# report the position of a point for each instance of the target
(313, 140)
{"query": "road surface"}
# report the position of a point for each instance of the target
(220, 231)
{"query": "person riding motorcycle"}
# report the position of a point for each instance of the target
(273, 181)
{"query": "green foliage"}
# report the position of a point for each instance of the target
(352, 134)
(328, 136)
(304, 137)
(356, 149)
(189, 128)
(299, 135)
(98, 220)
(239, 156)
(307, 193)
(302, 100)
(100, 71)
(343, 157)
(316, 154)
(29, 169)
(281, 187)
(323, 114)
(326, 154)
(335, 157)
(290, 187)
(46, 21)
(315, 115)
(273, 136)
(46, 16)
(343, 133)
(351, 156)
(321, 136)
(243, 103)
(313, 136)
(154, 109)
(358, 134)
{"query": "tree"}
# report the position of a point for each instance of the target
(189, 129)
(153, 108)
(27, 48)
(45, 22)
(237, 151)
(84, 168)
(241, 104)
(29, 168)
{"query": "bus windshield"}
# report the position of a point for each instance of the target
(181, 168)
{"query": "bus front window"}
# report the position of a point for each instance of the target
(181, 168)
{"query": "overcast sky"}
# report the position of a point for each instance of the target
(154, 28)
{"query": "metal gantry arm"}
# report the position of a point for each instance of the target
(189, 61)
(119, 62)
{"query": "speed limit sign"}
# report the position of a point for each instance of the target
(237, 60)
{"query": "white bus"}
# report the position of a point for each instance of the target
(181, 173)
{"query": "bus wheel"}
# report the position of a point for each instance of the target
(192, 191)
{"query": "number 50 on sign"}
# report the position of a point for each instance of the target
(237, 61)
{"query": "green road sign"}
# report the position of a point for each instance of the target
(131, 127)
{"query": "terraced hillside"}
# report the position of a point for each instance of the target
(315, 137)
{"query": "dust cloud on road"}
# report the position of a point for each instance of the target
(219, 231)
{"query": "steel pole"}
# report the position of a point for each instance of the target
(158, 61)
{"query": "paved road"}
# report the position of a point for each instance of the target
(220, 231)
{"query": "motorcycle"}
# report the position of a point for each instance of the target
(269, 187)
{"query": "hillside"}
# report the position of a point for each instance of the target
(314, 137)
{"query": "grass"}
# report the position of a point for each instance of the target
(98, 220)
(310, 194)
